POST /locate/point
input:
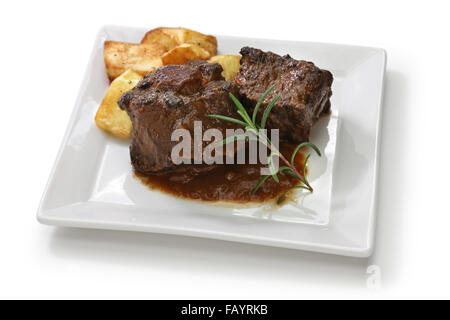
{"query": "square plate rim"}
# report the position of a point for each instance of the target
(361, 252)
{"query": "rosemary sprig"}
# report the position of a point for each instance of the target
(257, 133)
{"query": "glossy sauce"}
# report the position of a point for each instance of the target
(227, 182)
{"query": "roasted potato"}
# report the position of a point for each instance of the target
(142, 58)
(183, 53)
(126, 64)
(230, 64)
(109, 116)
(169, 38)
(161, 38)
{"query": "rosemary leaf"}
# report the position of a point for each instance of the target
(289, 171)
(267, 111)
(260, 182)
(295, 176)
(272, 168)
(241, 110)
(284, 169)
(217, 116)
(243, 116)
(290, 189)
(258, 104)
(275, 177)
(304, 144)
(304, 168)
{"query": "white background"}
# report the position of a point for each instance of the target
(44, 50)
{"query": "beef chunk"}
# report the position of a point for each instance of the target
(305, 91)
(171, 98)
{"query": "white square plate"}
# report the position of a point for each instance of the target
(92, 184)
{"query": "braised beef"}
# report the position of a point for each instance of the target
(304, 88)
(174, 97)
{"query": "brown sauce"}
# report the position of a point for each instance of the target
(228, 182)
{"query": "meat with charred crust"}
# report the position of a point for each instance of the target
(304, 89)
(174, 97)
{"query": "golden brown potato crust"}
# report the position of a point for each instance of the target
(121, 56)
(184, 53)
(109, 116)
(169, 38)
(127, 63)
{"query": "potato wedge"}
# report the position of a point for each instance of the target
(109, 116)
(120, 56)
(183, 53)
(161, 38)
(230, 64)
(169, 38)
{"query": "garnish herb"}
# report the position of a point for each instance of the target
(258, 134)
